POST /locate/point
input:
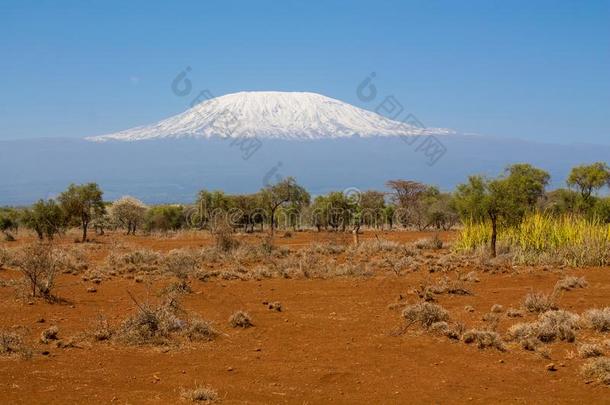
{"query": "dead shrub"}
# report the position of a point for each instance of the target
(240, 319)
(598, 319)
(199, 394)
(223, 238)
(597, 370)
(39, 265)
(550, 326)
(5, 257)
(497, 308)
(484, 339)
(137, 260)
(430, 243)
(11, 344)
(275, 306)
(514, 313)
(101, 330)
(181, 262)
(200, 330)
(590, 350)
(569, 283)
(152, 325)
(49, 334)
(425, 313)
(539, 302)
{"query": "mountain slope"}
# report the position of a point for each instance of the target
(274, 115)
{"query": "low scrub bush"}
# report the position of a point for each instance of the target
(199, 394)
(11, 344)
(484, 339)
(425, 314)
(539, 302)
(240, 319)
(590, 350)
(550, 326)
(597, 370)
(598, 319)
(39, 264)
(570, 282)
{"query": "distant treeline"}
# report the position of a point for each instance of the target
(501, 201)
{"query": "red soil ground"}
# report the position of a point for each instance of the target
(332, 342)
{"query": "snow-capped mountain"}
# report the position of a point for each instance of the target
(275, 115)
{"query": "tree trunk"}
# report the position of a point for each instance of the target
(85, 226)
(272, 220)
(494, 235)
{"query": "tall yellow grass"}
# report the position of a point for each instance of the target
(569, 239)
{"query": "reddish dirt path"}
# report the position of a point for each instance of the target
(332, 343)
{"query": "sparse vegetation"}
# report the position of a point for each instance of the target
(240, 319)
(598, 319)
(199, 394)
(425, 314)
(598, 370)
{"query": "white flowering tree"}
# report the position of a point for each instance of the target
(129, 213)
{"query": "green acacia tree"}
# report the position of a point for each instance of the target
(504, 200)
(282, 194)
(82, 203)
(589, 178)
(46, 218)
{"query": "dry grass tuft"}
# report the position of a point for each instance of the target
(425, 313)
(484, 339)
(597, 370)
(590, 350)
(49, 334)
(539, 302)
(11, 344)
(200, 330)
(240, 319)
(570, 282)
(598, 319)
(550, 326)
(199, 394)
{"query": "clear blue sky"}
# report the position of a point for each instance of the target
(531, 69)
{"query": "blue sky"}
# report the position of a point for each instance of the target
(535, 70)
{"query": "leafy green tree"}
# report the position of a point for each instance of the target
(82, 203)
(165, 218)
(9, 222)
(589, 178)
(504, 200)
(210, 206)
(46, 218)
(281, 194)
(372, 206)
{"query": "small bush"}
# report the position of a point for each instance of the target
(597, 370)
(200, 330)
(223, 238)
(550, 326)
(497, 308)
(538, 302)
(5, 257)
(151, 324)
(11, 344)
(430, 243)
(240, 319)
(425, 313)
(514, 313)
(49, 334)
(199, 394)
(39, 265)
(598, 319)
(590, 350)
(484, 339)
(570, 282)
